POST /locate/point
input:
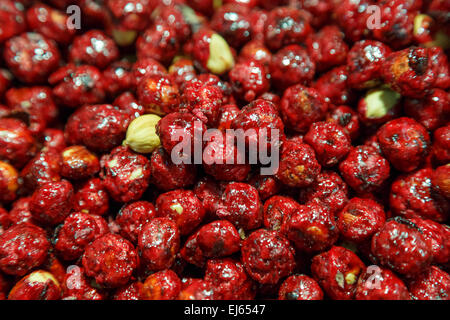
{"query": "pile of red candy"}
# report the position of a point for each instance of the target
(357, 209)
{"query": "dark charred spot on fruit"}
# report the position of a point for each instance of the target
(396, 33)
(418, 64)
(407, 222)
(345, 119)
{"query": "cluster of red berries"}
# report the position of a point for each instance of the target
(357, 208)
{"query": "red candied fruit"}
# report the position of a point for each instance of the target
(298, 166)
(256, 50)
(182, 70)
(228, 112)
(74, 86)
(337, 271)
(76, 286)
(360, 219)
(78, 230)
(266, 185)
(78, 163)
(352, 16)
(441, 144)
(158, 243)
(396, 23)
(404, 143)
(203, 99)
(51, 203)
(130, 15)
(223, 160)
(5, 223)
(267, 256)
(125, 174)
(31, 57)
(183, 207)
(329, 141)
(334, 87)
(191, 252)
(110, 260)
(209, 192)
(160, 42)
(412, 196)
(401, 246)
(380, 284)
(300, 287)
(347, 118)
(9, 182)
(364, 169)
(93, 48)
(365, 62)
(132, 291)
(34, 102)
(432, 284)
(170, 126)
(38, 285)
(301, 106)
(98, 127)
(249, 80)
(50, 22)
(20, 212)
(328, 188)
(158, 94)
(12, 19)
(161, 285)
(132, 217)
(196, 289)
(278, 209)
(167, 175)
(218, 239)
(241, 206)
(23, 248)
(147, 67)
(311, 228)
(286, 25)
(91, 197)
(441, 182)
(118, 77)
(432, 111)
(295, 61)
(438, 235)
(261, 116)
(53, 139)
(128, 103)
(229, 279)
(327, 47)
(410, 71)
(232, 21)
(17, 145)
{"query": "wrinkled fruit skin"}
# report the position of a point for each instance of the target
(125, 174)
(432, 284)
(86, 126)
(404, 143)
(300, 287)
(337, 271)
(224, 150)
(110, 260)
(408, 254)
(267, 256)
(23, 247)
(380, 284)
(158, 243)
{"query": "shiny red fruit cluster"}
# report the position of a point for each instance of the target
(357, 208)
